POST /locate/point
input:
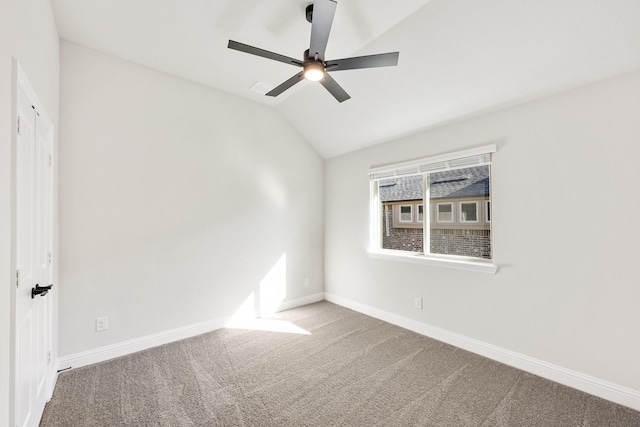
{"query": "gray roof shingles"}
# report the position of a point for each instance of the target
(468, 182)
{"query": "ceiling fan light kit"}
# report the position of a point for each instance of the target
(313, 71)
(314, 66)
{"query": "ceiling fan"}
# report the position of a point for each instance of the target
(314, 67)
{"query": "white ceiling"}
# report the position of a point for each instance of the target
(457, 57)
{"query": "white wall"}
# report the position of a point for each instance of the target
(566, 233)
(27, 33)
(176, 200)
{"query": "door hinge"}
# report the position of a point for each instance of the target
(17, 278)
(48, 357)
(49, 257)
(50, 160)
(18, 125)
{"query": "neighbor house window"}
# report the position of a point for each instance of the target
(406, 214)
(468, 211)
(487, 211)
(446, 193)
(445, 212)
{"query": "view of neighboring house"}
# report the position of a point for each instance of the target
(460, 212)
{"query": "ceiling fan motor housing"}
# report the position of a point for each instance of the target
(309, 13)
(306, 58)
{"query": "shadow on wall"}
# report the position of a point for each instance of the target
(258, 311)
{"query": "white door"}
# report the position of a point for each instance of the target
(33, 263)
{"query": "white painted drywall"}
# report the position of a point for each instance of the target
(176, 202)
(565, 201)
(28, 34)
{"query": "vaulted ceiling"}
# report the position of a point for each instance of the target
(458, 58)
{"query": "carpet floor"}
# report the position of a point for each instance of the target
(335, 367)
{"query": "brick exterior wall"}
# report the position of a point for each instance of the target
(403, 239)
(471, 243)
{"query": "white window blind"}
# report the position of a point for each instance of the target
(460, 159)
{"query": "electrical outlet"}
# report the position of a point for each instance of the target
(418, 303)
(101, 324)
(306, 282)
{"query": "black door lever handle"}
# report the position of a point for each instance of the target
(40, 290)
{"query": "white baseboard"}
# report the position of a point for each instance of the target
(138, 344)
(591, 385)
(310, 299)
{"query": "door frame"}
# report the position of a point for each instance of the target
(21, 82)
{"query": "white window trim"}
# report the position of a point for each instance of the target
(410, 213)
(456, 160)
(467, 158)
(455, 262)
(460, 216)
(453, 212)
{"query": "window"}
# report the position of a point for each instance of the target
(445, 212)
(446, 193)
(468, 211)
(406, 213)
(487, 211)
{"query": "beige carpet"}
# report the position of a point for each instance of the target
(350, 370)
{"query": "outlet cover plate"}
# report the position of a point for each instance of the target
(101, 324)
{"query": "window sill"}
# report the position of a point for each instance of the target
(458, 264)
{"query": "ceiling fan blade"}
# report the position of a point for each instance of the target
(263, 53)
(369, 61)
(334, 88)
(323, 11)
(286, 85)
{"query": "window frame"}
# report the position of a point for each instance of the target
(423, 167)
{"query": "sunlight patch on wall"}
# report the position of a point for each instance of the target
(257, 312)
(273, 287)
(246, 311)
